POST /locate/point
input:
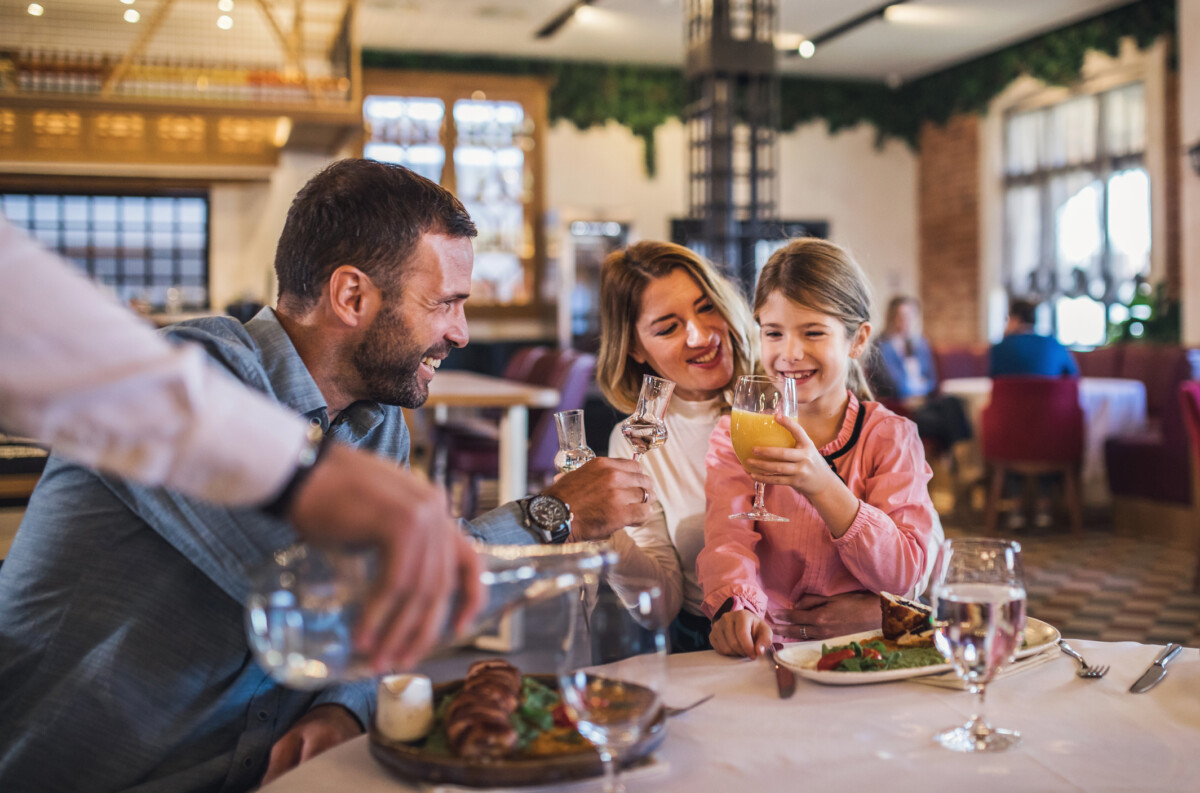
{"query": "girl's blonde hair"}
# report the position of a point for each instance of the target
(623, 279)
(823, 277)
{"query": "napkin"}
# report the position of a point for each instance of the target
(645, 768)
(952, 680)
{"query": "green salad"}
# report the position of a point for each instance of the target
(874, 656)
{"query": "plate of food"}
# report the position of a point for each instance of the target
(902, 648)
(495, 728)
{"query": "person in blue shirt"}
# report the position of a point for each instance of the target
(1023, 353)
(905, 353)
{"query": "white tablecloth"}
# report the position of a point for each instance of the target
(1079, 735)
(1111, 406)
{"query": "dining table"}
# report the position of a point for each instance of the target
(1077, 734)
(462, 389)
(1111, 406)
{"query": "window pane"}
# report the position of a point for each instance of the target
(1023, 142)
(1077, 199)
(1080, 321)
(1129, 223)
(1071, 132)
(1125, 120)
(406, 131)
(1024, 233)
(127, 242)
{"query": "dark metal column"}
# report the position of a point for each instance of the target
(732, 123)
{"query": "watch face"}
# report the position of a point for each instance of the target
(548, 512)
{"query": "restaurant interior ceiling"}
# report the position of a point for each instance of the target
(906, 41)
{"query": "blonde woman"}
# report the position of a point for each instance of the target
(667, 312)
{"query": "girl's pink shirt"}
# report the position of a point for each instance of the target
(766, 567)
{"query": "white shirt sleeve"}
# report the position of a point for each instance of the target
(80, 372)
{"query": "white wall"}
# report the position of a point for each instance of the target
(245, 222)
(867, 195)
(1188, 47)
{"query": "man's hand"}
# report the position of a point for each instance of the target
(323, 727)
(358, 498)
(606, 494)
(824, 617)
(740, 633)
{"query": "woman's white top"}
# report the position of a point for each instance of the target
(664, 550)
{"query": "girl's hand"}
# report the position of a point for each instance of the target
(740, 633)
(802, 468)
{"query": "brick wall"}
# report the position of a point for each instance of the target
(949, 254)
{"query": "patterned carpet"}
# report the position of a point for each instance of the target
(1108, 587)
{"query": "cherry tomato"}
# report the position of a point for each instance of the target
(561, 717)
(830, 661)
(869, 652)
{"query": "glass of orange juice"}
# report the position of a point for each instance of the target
(755, 402)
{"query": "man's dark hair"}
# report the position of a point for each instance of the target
(1023, 311)
(364, 213)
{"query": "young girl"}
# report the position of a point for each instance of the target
(854, 488)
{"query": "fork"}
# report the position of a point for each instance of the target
(676, 711)
(1090, 672)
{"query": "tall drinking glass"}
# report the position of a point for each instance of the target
(755, 401)
(646, 429)
(573, 450)
(978, 595)
(614, 705)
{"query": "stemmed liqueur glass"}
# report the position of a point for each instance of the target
(646, 429)
(573, 450)
(616, 705)
(978, 595)
(756, 400)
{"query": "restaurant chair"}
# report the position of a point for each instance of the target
(1033, 426)
(475, 458)
(1189, 399)
(960, 361)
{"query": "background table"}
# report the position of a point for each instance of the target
(1079, 735)
(1111, 406)
(468, 389)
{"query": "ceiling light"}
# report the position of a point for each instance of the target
(585, 15)
(132, 16)
(807, 49)
(224, 22)
(127, 2)
(35, 10)
(225, 5)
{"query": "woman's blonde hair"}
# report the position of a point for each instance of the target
(623, 279)
(823, 277)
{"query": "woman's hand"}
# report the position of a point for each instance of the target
(802, 468)
(740, 633)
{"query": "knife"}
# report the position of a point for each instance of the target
(1157, 670)
(785, 680)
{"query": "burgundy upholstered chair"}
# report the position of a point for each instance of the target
(477, 458)
(1189, 400)
(1033, 426)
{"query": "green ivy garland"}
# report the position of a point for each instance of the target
(644, 97)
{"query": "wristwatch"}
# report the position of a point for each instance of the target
(550, 517)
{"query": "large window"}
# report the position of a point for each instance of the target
(1077, 209)
(478, 137)
(145, 248)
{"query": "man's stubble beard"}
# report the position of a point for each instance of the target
(387, 362)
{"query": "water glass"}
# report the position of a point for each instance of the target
(978, 595)
(573, 450)
(617, 704)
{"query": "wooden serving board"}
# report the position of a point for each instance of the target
(411, 761)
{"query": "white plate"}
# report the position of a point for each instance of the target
(802, 657)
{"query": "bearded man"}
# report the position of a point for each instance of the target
(123, 658)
